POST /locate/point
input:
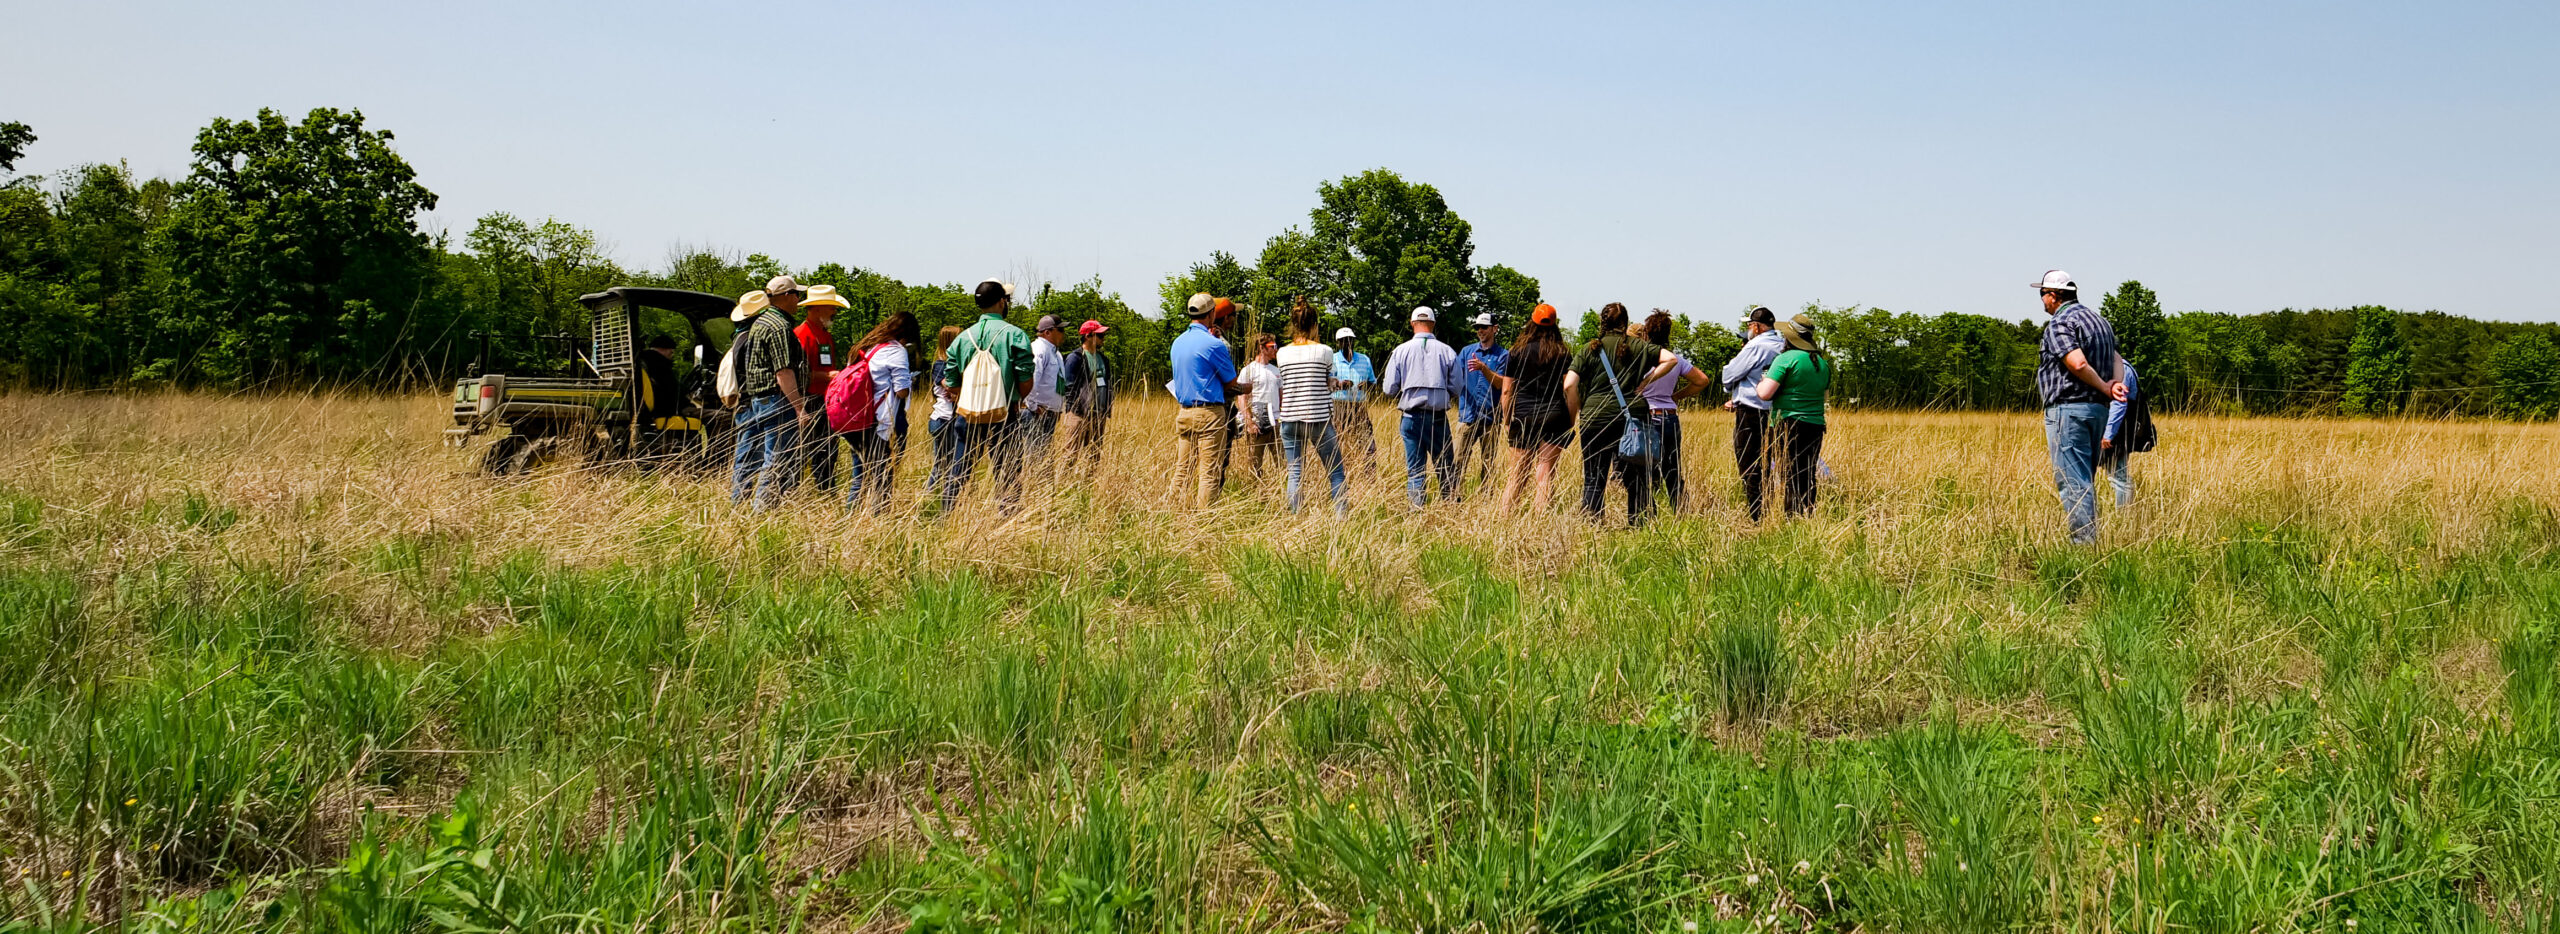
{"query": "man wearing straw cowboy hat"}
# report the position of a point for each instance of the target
(772, 408)
(2076, 351)
(818, 346)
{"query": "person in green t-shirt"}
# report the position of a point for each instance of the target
(1794, 386)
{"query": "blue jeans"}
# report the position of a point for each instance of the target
(2071, 432)
(763, 466)
(1001, 444)
(2119, 467)
(1295, 439)
(1426, 439)
(869, 472)
(946, 448)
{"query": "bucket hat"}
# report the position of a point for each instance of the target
(1799, 332)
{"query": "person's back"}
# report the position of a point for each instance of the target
(1306, 380)
(1628, 358)
(1537, 374)
(1804, 382)
(1307, 410)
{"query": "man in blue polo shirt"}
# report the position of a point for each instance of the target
(2075, 374)
(1204, 378)
(1480, 402)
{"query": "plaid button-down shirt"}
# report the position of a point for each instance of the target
(2074, 327)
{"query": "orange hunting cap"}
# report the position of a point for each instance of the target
(1543, 314)
(1224, 306)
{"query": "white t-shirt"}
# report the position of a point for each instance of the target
(889, 374)
(1263, 380)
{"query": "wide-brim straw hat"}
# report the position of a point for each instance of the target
(824, 295)
(1800, 334)
(750, 305)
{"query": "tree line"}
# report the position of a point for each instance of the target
(291, 255)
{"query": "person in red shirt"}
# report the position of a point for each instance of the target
(817, 440)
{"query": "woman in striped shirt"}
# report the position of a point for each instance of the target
(1305, 404)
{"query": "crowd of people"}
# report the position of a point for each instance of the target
(1039, 404)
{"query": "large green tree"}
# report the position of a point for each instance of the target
(2524, 376)
(2377, 380)
(295, 251)
(78, 277)
(1504, 292)
(1388, 245)
(2142, 335)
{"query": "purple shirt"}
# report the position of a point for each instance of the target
(1658, 393)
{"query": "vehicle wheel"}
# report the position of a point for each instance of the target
(535, 453)
(500, 459)
(603, 448)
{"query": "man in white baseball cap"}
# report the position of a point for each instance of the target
(2075, 375)
(1356, 375)
(1422, 381)
(1479, 398)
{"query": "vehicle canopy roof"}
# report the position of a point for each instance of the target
(695, 306)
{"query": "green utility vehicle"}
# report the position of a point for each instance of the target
(602, 401)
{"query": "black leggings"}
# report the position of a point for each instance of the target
(1599, 460)
(1802, 442)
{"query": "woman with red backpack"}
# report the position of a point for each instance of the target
(879, 362)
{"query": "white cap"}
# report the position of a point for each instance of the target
(2057, 279)
(1200, 304)
(1484, 320)
(783, 284)
(1423, 313)
(1345, 332)
(1006, 286)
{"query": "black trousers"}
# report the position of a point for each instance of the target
(1802, 442)
(1751, 455)
(1666, 471)
(1599, 461)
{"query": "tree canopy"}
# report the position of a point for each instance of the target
(291, 254)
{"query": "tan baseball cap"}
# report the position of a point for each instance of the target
(1200, 305)
(783, 284)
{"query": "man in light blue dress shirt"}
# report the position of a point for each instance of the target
(1423, 379)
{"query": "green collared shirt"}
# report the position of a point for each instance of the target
(1009, 345)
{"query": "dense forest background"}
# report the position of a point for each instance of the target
(291, 255)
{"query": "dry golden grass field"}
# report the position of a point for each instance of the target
(286, 662)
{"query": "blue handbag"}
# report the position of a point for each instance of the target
(1641, 447)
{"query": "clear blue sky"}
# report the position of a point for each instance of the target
(1919, 157)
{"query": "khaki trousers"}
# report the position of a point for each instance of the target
(1080, 451)
(1200, 454)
